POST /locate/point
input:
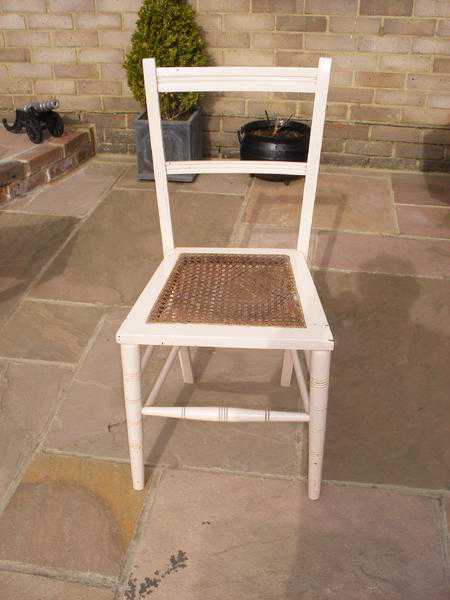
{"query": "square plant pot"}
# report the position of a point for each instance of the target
(182, 141)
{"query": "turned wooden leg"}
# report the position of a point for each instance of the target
(318, 398)
(131, 367)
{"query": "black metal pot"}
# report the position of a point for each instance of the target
(271, 147)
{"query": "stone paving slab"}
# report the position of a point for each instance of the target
(16, 586)
(27, 242)
(219, 536)
(356, 172)
(424, 220)
(15, 144)
(205, 219)
(12, 145)
(29, 397)
(48, 331)
(233, 183)
(382, 254)
(124, 231)
(92, 419)
(75, 195)
(340, 204)
(71, 513)
(388, 409)
(421, 188)
(257, 236)
(95, 265)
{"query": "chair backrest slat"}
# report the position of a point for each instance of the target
(236, 79)
(226, 79)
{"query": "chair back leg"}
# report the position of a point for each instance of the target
(318, 398)
(286, 370)
(131, 367)
(185, 364)
(307, 355)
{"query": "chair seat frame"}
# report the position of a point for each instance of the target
(315, 339)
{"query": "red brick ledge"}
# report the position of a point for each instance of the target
(44, 163)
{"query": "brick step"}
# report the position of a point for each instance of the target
(37, 165)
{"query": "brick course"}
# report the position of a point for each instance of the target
(398, 8)
(390, 92)
(43, 163)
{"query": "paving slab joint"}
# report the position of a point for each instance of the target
(150, 491)
(60, 574)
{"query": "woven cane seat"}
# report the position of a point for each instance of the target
(230, 289)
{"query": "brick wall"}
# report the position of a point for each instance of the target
(390, 97)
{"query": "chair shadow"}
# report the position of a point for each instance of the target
(434, 146)
(159, 445)
(438, 187)
(200, 363)
(24, 251)
(388, 391)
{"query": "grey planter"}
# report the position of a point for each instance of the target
(182, 141)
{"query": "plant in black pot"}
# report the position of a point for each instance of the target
(274, 139)
(166, 31)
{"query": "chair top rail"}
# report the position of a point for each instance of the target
(180, 167)
(237, 79)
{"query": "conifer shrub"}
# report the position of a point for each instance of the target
(167, 31)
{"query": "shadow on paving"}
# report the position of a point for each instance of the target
(230, 446)
(388, 409)
(118, 248)
(27, 242)
(431, 162)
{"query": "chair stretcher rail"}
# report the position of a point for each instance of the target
(222, 414)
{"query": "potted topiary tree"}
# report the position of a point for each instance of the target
(166, 30)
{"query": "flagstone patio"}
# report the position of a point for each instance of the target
(225, 512)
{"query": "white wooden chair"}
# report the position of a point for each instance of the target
(231, 297)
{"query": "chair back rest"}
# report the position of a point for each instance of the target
(236, 79)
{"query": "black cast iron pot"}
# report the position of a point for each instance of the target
(285, 145)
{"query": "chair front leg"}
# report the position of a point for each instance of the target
(131, 367)
(318, 398)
